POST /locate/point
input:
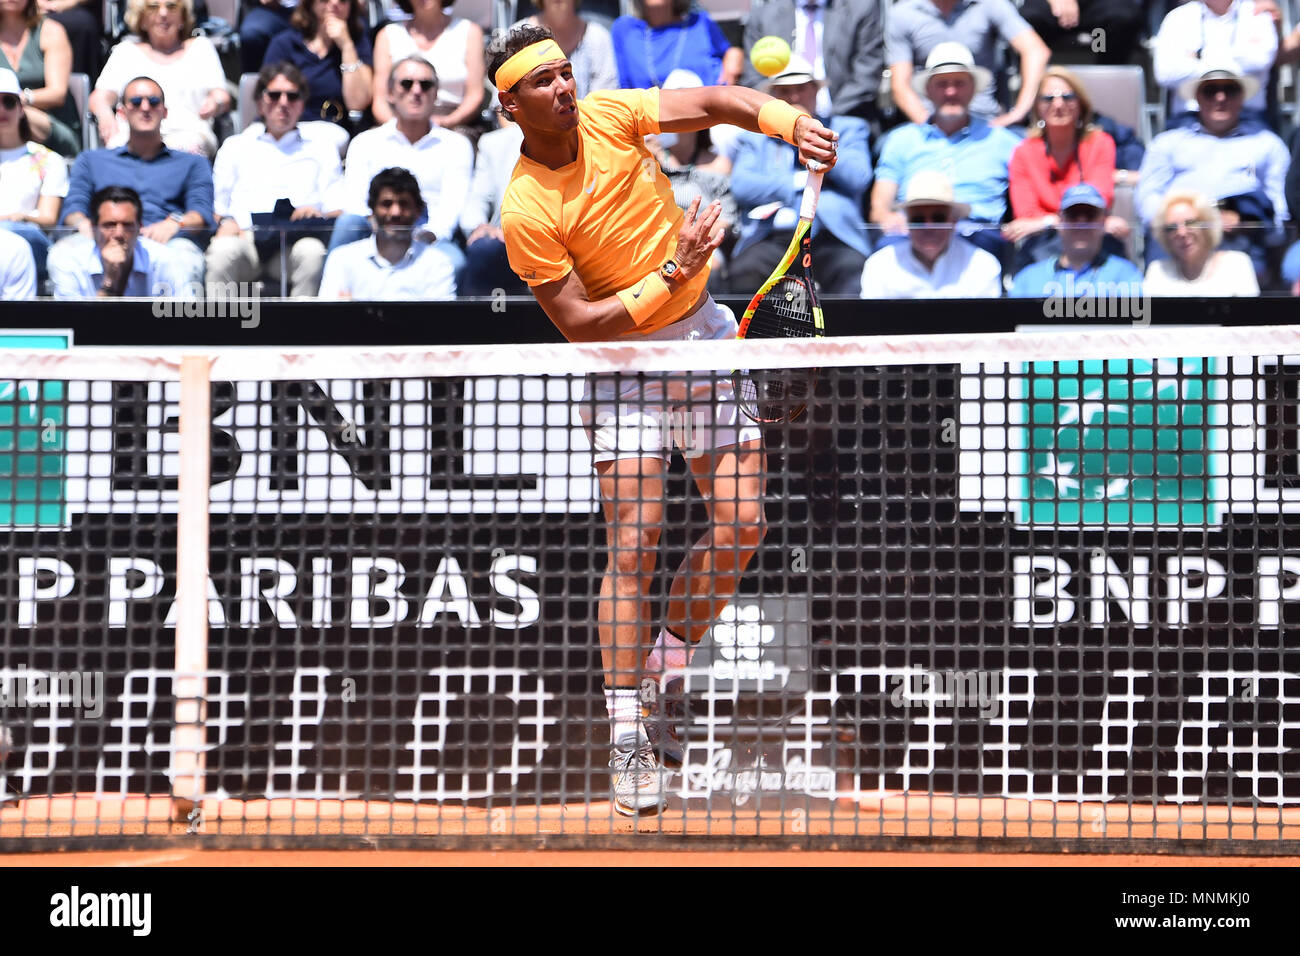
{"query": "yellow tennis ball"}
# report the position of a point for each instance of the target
(770, 55)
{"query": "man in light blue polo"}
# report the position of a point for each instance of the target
(972, 154)
(1083, 270)
(1235, 160)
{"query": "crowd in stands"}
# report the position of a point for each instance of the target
(367, 161)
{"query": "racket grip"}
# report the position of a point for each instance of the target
(812, 191)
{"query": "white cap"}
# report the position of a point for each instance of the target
(932, 188)
(9, 83)
(796, 73)
(951, 57)
(680, 79)
(1219, 68)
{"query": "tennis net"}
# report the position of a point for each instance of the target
(1030, 588)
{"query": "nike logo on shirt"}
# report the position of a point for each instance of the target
(592, 187)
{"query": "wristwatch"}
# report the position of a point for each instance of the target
(177, 217)
(669, 271)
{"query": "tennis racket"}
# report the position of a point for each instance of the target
(785, 307)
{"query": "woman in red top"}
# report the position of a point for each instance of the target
(1062, 149)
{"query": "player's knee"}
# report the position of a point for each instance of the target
(742, 529)
(635, 551)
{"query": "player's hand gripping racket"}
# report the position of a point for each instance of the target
(784, 307)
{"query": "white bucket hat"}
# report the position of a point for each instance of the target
(951, 57)
(1219, 69)
(932, 188)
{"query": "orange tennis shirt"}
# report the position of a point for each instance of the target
(610, 214)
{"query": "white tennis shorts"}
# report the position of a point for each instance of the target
(646, 414)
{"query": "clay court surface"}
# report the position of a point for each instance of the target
(387, 858)
(362, 826)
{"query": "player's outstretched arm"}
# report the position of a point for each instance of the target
(682, 111)
(580, 319)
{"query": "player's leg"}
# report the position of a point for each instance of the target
(732, 483)
(632, 498)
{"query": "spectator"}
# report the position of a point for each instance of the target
(393, 263)
(174, 187)
(917, 27)
(258, 169)
(768, 181)
(695, 171)
(1214, 31)
(588, 45)
(1291, 264)
(186, 67)
(1237, 162)
(934, 263)
(487, 268)
(843, 41)
(36, 49)
(1063, 148)
(1083, 268)
(81, 21)
(33, 179)
(258, 27)
(667, 35)
(973, 154)
(1109, 28)
(453, 45)
(1188, 227)
(17, 269)
(115, 260)
(328, 43)
(442, 161)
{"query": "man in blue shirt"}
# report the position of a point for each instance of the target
(1083, 271)
(175, 188)
(972, 154)
(767, 182)
(1237, 162)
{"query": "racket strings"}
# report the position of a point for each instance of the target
(785, 312)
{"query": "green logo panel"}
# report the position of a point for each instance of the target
(1121, 442)
(32, 417)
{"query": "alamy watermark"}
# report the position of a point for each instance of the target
(689, 430)
(950, 689)
(212, 300)
(21, 688)
(1096, 300)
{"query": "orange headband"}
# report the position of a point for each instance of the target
(526, 60)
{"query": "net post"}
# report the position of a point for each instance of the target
(188, 762)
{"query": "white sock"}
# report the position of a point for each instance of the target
(624, 706)
(670, 653)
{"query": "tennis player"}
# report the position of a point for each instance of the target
(591, 226)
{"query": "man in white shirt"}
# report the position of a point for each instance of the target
(392, 264)
(116, 261)
(1215, 30)
(441, 160)
(935, 262)
(17, 268)
(257, 169)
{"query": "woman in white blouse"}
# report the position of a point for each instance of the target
(453, 45)
(1190, 230)
(587, 45)
(33, 179)
(186, 67)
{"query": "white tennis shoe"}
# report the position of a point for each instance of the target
(636, 776)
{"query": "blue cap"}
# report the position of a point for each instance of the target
(1084, 194)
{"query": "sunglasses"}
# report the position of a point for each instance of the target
(1173, 227)
(293, 96)
(1066, 98)
(406, 85)
(1211, 90)
(1087, 214)
(135, 102)
(928, 219)
(9, 101)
